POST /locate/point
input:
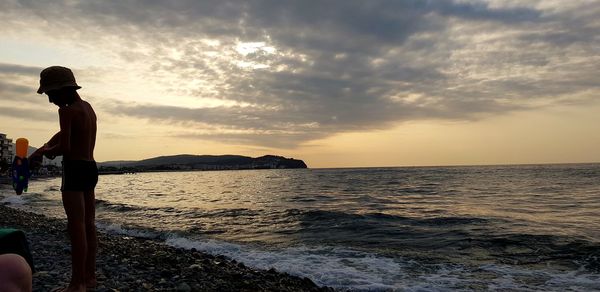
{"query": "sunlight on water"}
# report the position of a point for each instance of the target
(495, 227)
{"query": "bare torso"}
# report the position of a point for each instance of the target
(80, 118)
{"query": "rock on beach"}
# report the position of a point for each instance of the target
(134, 264)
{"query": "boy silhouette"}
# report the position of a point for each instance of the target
(75, 142)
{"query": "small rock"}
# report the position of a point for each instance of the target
(184, 287)
(165, 273)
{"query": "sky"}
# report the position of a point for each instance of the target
(335, 83)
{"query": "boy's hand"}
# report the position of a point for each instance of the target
(36, 158)
(39, 152)
(42, 151)
(45, 150)
(35, 162)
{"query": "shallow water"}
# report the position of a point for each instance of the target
(529, 227)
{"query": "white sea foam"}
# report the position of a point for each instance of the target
(446, 278)
(114, 228)
(579, 280)
(14, 200)
(356, 270)
(506, 278)
(334, 267)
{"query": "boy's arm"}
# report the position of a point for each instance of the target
(54, 140)
(41, 151)
(63, 137)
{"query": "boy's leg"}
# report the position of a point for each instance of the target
(75, 208)
(90, 232)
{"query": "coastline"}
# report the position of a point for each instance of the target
(125, 263)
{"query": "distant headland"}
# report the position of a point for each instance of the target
(200, 162)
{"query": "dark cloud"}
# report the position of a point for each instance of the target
(576, 26)
(31, 114)
(18, 94)
(338, 65)
(18, 84)
(19, 69)
(15, 86)
(9, 91)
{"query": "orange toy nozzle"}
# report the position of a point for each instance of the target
(22, 145)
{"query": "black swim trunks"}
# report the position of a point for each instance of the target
(79, 175)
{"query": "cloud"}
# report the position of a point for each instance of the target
(319, 68)
(8, 89)
(19, 69)
(17, 84)
(28, 114)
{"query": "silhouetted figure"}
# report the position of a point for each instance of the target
(75, 142)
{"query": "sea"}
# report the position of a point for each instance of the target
(467, 228)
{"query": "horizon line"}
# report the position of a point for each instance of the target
(459, 165)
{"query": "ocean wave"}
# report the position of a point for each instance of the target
(14, 200)
(343, 268)
(319, 215)
(514, 278)
(118, 207)
(114, 228)
(333, 267)
(511, 261)
(491, 277)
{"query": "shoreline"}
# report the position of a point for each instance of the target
(126, 263)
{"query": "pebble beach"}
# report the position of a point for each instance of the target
(127, 263)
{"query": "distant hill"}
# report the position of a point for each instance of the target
(116, 163)
(56, 161)
(203, 162)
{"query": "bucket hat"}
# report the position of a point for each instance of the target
(56, 77)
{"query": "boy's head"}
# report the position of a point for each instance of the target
(59, 84)
(63, 96)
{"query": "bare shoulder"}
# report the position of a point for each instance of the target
(89, 109)
(66, 111)
(87, 105)
(77, 109)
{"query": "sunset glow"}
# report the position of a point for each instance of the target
(338, 84)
